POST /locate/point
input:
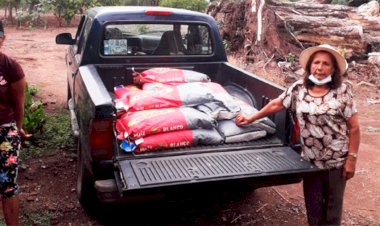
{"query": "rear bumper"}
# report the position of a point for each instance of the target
(145, 178)
(108, 192)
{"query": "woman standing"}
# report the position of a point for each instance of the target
(329, 129)
(12, 97)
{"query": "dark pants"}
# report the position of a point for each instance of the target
(324, 197)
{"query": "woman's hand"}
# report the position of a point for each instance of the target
(272, 107)
(241, 120)
(24, 135)
(349, 168)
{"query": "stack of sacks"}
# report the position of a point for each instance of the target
(226, 119)
(253, 131)
(161, 117)
(167, 128)
(179, 108)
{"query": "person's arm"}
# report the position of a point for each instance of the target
(353, 146)
(271, 108)
(18, 95)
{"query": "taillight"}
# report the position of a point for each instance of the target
(158, 13)
(101, 138)
(296, 131)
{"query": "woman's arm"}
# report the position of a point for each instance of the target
(353, 146)
(18, 95)
(271, 108)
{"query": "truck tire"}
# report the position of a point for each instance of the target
(85, 182)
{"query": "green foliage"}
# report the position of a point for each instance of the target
(195, 5)
(32, 90)
(291, 57)
(58, 130)
(34, 115)
(220, 24)
(32, 18)
(342, 51)
(111, 2)
(37, 218)
(142, 28)
(57, 134)
(66, 9)
(54, 130)
(226, 44)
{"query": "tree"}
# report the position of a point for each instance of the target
(66, 9)
(9, 5)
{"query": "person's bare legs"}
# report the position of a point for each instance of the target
(11, 210)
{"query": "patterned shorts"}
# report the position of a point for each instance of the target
(10, 144)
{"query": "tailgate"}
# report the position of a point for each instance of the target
(256, 164)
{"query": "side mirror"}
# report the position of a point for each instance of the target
(64, 38)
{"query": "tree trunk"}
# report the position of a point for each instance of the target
(32, 5)
(291, 27)
(10, 15)
(342, 26)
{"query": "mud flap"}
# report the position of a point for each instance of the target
(137, 174)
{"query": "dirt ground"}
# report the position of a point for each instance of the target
(48, 184)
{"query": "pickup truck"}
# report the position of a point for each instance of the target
(110, 44)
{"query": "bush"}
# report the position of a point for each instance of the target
(50, 132)
(34, 114)
(57, 135)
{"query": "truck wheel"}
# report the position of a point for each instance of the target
(85, 182)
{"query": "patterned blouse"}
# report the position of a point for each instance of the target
(323, 123)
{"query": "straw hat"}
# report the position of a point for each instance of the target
(305, 55)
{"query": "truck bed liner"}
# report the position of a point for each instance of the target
(194, 168)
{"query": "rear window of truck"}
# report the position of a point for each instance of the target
(156, 39)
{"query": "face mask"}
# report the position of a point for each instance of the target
(317, 82)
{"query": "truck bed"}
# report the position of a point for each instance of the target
(265, 162)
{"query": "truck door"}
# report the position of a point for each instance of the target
(72, 59)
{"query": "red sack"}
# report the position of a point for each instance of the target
(122, 91)
(142, 123)
(187, 94)
(169, 140)
(152, 99)
(169, 76)
(178, 139)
